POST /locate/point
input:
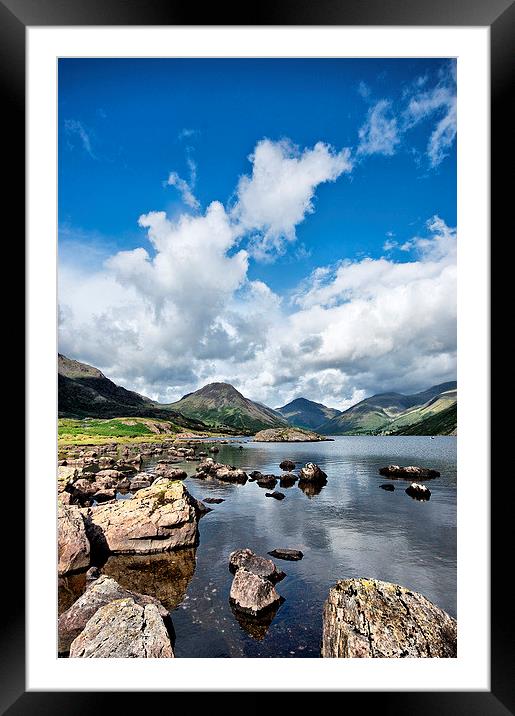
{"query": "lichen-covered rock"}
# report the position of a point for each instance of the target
(252, 594)
(367, 618)
(73, 544)
(159, 518)
(260, 566)
(123, 629)
(408, 472)
(99, 592)
(312, 473)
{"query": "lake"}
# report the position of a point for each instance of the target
(352, 528)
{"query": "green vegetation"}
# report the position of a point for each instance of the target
(443, 423)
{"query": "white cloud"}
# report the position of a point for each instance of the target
(185, 188)
(280, 191)
(379, 134)
(440, 101)
(73, 127)
(182, 312)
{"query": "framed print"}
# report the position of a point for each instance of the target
(257, 271)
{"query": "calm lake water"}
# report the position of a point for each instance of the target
(352, 528)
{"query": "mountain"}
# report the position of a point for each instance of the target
(84, 391)
(387, 413)
(305, 413)
(220, 404)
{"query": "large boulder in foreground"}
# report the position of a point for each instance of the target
(408, 472)
(123, 629)
(73, 544)
(159, 518)
(98, 593)
(287, 435)
(367, 618)
(312, 473)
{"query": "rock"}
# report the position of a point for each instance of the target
(73, 544)
(288, 479)
(276, 495)
(158, 518)
(409, 472)
(389, 487)
(171, 473)
(312, 473)
(287, 435)
(267, 481)
(214, 449)
(287, 465)
(251, 562)
(92, 574)
(104, 496)
(367, 618)
(213, 500)
(141, 481)
(224, 473)
(255, 475)
(252, 594)
(123, 629)
(292, 555)
(99, 592)
(418, 491)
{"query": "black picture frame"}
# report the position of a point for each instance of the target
(499, 15)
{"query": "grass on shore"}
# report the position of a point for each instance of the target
(117, 430)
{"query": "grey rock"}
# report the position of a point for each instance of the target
(367, 618)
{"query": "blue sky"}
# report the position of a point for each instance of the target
(150, 135)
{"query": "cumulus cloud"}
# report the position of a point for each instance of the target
(279, 193)
(379, 134)
(167, 323)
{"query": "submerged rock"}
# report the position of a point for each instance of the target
(287, 465)
(157, 519)
(409, 472)
(213, 500)
(99, 592)
(418, 491)
(72, 541)
(388, 487)
(123, 629)
(367, 618)
(276, 495)
(292, 555)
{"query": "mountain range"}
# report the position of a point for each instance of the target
(84, 391)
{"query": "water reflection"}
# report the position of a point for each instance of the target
(310, 489)
(164, 576)
(256, 627)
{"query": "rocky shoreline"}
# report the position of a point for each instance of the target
(110, 507)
